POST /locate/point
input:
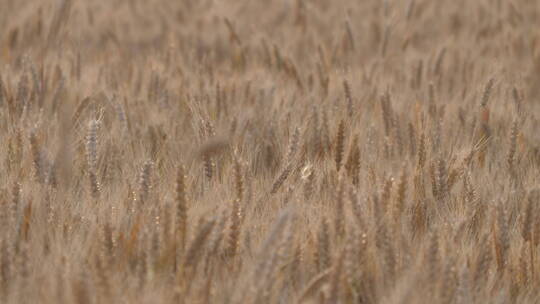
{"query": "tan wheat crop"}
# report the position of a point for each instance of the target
(278, 151)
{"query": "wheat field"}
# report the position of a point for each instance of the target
(279, 151)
